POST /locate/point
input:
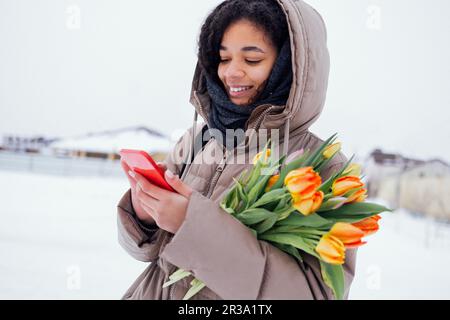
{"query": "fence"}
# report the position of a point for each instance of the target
(48, 164)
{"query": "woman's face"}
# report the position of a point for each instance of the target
(247, 57)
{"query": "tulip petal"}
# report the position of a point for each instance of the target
(304, 206)
(331, 249)
(369, 226)
(355, 245)
(331, 150)
(344, 184)
(353, 169)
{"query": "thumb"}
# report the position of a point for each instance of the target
(179, 186)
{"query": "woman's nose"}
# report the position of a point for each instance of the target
(234, 70)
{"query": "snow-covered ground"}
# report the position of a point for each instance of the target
(407, 259)
(58, 240)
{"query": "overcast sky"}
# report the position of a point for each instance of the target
(72, 67)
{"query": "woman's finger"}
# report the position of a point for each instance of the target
(127, 170)
(148, 187)
(148, 208)
(145, 199)
(125, 166)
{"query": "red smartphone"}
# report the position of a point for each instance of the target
(142, 163)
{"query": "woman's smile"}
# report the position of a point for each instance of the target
(240, 91)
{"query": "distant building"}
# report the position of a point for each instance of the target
(425, 189)
(107, 144)
(417, 185)
(380, 165)
(434, 168)
(32, 144)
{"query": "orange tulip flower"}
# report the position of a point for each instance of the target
(271, 182)
(331, 249)
(368, 226)
(345, 184)
(358, 196)
(306, 206)
(348, 234)
(303, 182)
(331, 150)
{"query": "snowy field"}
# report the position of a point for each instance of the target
(58, 240)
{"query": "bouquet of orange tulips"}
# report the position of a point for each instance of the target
(288, 205)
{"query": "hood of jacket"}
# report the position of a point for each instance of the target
(310, 66)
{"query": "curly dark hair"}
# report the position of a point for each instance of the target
(266, 14)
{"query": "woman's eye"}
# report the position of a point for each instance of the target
(248, 61)
(253, 62)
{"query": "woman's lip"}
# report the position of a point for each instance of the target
(240, 93)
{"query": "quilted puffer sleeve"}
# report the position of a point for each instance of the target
(144, 242)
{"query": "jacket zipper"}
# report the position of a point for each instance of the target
(222, 164)
(261, 117)
(217, 174)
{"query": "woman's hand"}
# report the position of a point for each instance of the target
(144, 215)
(168, 209)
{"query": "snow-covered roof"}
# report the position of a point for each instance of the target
(112, 141)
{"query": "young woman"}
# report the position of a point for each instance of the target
(263, 64)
